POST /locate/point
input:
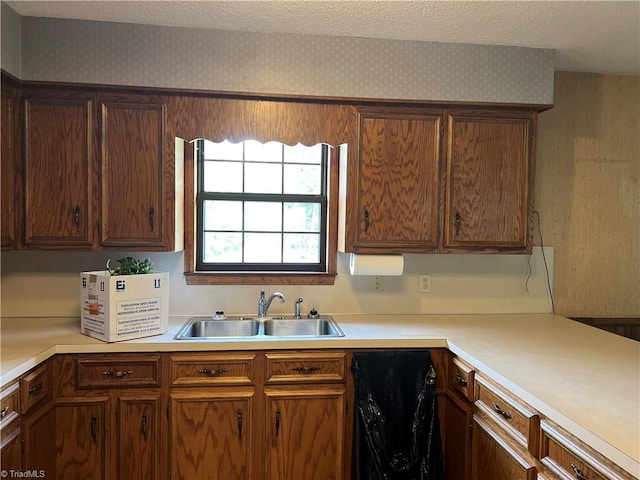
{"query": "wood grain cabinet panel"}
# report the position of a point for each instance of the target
(116, 371)
(489, 180)
(133, 169)
(58, 156)
(211, 434)
(138, 444)
(81, 437)
(305, 429)
(213, 369)
(9, 148)
(457, 438)
(40, 441)
(390, 186)
(495, 457)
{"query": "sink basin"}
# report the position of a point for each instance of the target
(202, 328)
(315, 327)
(205, 327)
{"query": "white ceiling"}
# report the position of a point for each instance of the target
(589, 36)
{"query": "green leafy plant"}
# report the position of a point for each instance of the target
(130, 266)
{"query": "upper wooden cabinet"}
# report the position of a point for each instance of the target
(428, 180)
(99, 172)
(9, 155)
(489, 180)
(132, 167)
(58, 160)
(392, 184)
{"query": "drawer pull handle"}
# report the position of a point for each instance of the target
(366, 221)
(240, 423)
(460, 380)
(37, 389)
(213, 372)
(305, 369)
(76, 217)
(578, 473)
(4, 412)
(117, 374)
(499, 411)
(277, 422)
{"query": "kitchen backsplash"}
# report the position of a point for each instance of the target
(47, 284)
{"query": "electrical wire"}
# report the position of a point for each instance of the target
(544, 260)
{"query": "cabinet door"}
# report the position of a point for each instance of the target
(489, 190)
(495, 458)
(457, 438)
(11, 449)
(211, 434)
(57, 170)
(38, 432)
(138, 439)
(398, 183)
(133, 168)
(81, 438)
(305, 431)
(8, 159)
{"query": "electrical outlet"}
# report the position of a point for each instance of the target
(425, 284)
(376, 284)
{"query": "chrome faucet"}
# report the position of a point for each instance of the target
(296, 309)
(264, 304)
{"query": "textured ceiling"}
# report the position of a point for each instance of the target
(588, 36)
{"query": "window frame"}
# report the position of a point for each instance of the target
(320, 199)
(196, 277)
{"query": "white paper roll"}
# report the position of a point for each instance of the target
(378, 265)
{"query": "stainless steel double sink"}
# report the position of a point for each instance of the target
(202, 328)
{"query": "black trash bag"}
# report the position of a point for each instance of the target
(396, 432)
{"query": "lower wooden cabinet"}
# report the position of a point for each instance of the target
(81, 438)
(457, 438)
(211, 434)
(494, 457)
(305, 429)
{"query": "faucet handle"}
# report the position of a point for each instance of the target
(296, 308)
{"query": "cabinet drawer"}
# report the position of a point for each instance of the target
(461, 378)
(211, 369)
(305, 367)
(9, 405)
(520, 422)
(35, 387)
(114, 372)
(567, 457)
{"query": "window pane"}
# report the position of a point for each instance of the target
(301, 217)
(263, 178)
(302, 179)
(301, 248)
(220, 247)
(223, 151)
(258, 152)
(263, 216)
(303, 154)
(222, 215)
(263, 248)
(222, 177)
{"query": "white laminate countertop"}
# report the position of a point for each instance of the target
(584, 379)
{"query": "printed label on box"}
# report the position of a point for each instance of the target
(138, 316)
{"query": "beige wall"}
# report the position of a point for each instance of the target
(588, 193)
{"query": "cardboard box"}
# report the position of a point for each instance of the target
(122, 307)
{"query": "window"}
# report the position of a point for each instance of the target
(261, 207)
